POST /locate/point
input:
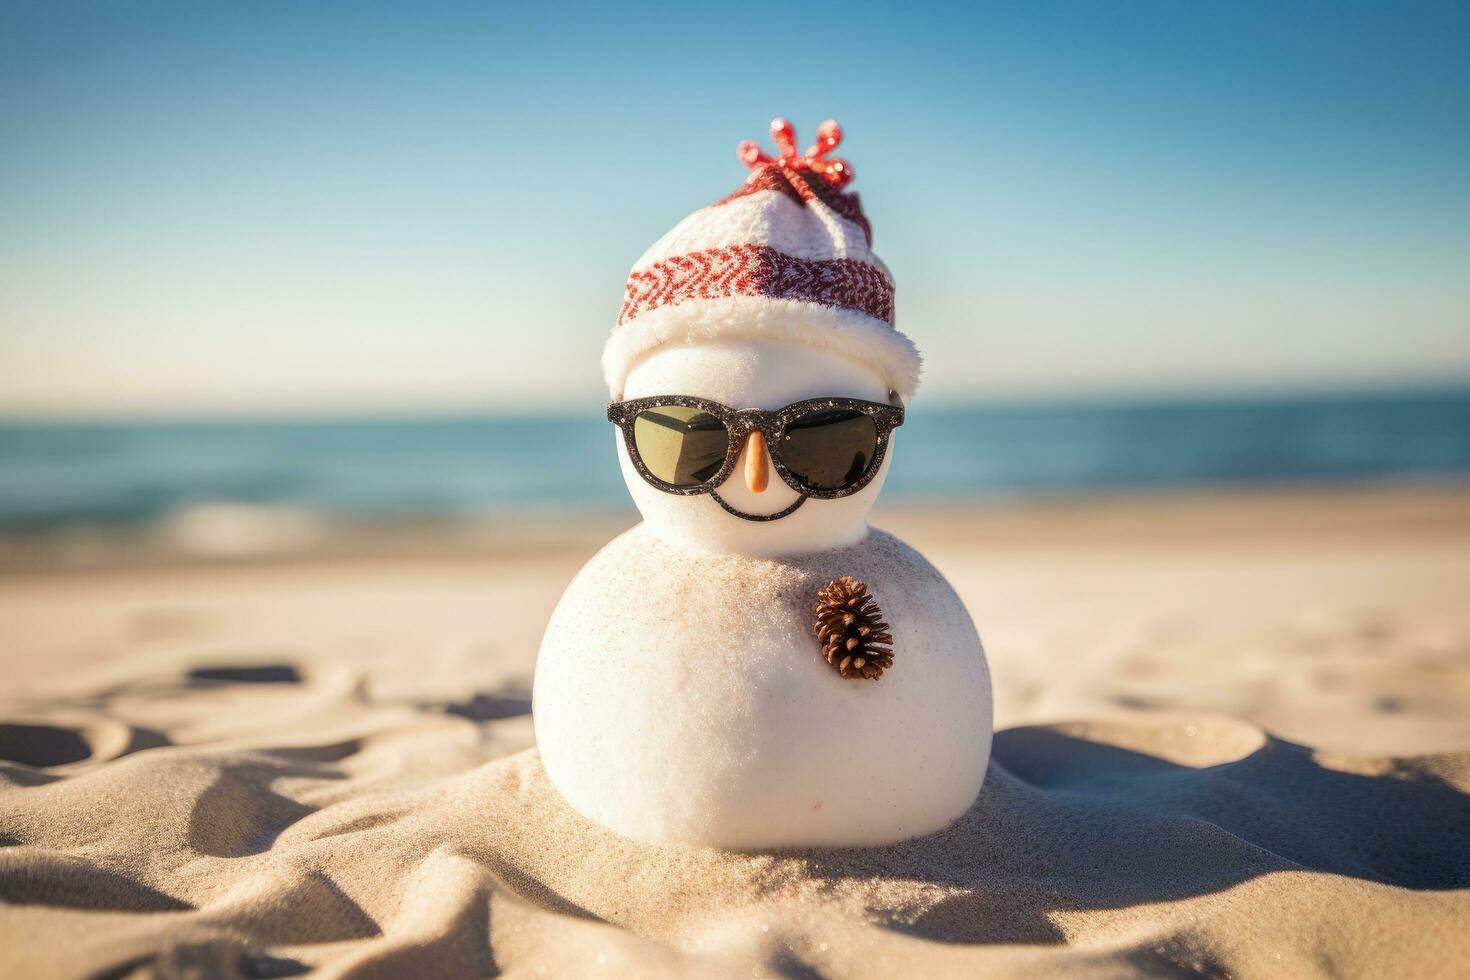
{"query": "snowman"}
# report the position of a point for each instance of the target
(753, 666)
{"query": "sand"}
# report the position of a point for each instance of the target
(1234, 740)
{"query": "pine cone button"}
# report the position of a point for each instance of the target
(850, 627)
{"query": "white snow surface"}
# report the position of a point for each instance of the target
(681, 697)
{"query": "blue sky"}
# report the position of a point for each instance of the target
(341, 207)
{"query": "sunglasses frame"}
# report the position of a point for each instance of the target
(741, 422)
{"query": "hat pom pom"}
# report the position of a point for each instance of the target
(833, 171)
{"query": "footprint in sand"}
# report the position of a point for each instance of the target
(70, 739)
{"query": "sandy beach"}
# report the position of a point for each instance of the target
(1233, 740)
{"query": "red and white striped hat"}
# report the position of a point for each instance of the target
(787, 257)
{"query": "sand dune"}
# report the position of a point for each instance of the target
(276, 770)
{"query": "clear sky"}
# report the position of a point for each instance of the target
(338, 207)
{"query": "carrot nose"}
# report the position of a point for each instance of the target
(757, 465)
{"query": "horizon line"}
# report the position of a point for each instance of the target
(1451, 386)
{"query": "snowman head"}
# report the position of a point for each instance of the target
(755, 508)
(756, 359)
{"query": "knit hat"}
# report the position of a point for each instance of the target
(786, 257)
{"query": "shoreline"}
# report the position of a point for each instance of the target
(229, 536)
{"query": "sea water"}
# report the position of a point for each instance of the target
(58, 474)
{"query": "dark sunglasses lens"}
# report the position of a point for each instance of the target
(830, 449)
(681, 446)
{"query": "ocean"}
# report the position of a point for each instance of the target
(59, 475)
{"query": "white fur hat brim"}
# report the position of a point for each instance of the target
(831, 329)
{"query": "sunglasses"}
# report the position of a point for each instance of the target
(820, 447)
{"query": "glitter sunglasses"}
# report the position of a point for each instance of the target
(820, 447)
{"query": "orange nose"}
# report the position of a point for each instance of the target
(757, 465)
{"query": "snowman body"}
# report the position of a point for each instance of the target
(680, 692)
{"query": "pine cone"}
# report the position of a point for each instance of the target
(850, 627)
